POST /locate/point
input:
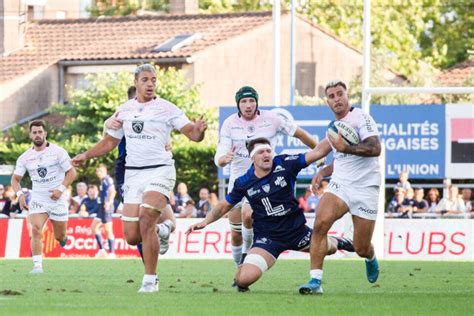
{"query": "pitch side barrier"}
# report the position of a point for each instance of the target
(406, 239)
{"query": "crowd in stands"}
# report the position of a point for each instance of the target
(83, 201)
(406, 202)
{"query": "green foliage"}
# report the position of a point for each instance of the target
(203, 173)
(89, 107)
(127, 7)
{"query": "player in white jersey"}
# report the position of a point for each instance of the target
(51, 172)
(354, 187)
(150, 173)
(249, 123)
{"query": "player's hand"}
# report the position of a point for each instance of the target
(55, 194)
(197, 226)
(168, 147)
(316, 182)
(83, 213)
(79, 160)
(229, 156)
(338, 143)
(200, 125)
(22, 201)
(114, 122)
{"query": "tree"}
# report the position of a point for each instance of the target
(88, 108)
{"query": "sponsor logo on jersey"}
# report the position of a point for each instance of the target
(279, 169)
(280, 181)
(251, 128)
(237, 127)
(137, 126)
(304, 242)
(251, 192)
(293, 157)
(42, 172)
(266, 188)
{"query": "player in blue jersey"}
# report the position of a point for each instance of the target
(105, 210)
(278, 223)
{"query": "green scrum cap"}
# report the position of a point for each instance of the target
(245, 92)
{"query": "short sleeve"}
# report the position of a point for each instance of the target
(64, 160)
(20, 167)
(237, 193)
(284, 125)
(367, 127)
(177, 119)
(295, 162)
(225, 142)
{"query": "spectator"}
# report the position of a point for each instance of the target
(409, 201)
(313, 201)
(303, 200)
(453, 204)
(421, 205)
(395, 207)
(189, 210)
(5, 202)
(403, 183)
(81, 189)
(181, 198)
(14, 207)
(90, 204)
(433, 200)
(204, 206)
(466, 197)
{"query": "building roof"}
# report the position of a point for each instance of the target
(458, 74)
(49, 41)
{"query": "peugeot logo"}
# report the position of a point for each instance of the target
(137, 126)
(42, 172)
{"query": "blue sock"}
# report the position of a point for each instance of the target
(140, 250)
(111, 245)
(98, 237)
(63, 243)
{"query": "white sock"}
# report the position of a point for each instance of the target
(149, 278)
(163, 230)
(236, 253)
(316, 274)
(38, 260)
(247, 236)
(371, 259)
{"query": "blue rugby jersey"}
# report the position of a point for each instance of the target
(275, 208)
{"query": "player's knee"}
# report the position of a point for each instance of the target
(322, 226)
(36, 230)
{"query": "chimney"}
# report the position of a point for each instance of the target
(184, 7)
(12, 25)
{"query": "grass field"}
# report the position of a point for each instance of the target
(109, 287)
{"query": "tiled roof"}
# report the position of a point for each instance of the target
(458, 74)
(49, 41)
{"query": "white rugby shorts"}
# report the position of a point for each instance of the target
(362, 201)
(137, 182)
(56, 210)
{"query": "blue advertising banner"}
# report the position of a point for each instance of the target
(414, 136)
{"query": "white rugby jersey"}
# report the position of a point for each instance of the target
(147, 128)
(356, 170)
(46, 168)
(235, 131)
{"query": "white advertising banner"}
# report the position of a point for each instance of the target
(432, 239)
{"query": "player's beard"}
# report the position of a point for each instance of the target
(39, 142)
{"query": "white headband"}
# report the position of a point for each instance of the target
(259, 147)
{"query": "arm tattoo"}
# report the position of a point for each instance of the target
(370, 147)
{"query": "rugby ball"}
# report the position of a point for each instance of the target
(348, 133)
